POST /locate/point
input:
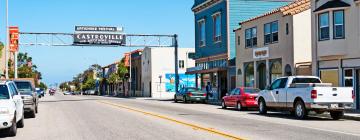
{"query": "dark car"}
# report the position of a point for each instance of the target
(241, 98)
(190, 94)
(29, 96)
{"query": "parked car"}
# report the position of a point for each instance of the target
(190, 94)
(241, 98)
(68, 93)
(11, 108)
(40, 92)
(301, 94)
(52, 91)
(29, 96)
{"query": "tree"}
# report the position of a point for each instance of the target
(43, 86)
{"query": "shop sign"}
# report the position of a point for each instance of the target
(261, 53)
(198, 68)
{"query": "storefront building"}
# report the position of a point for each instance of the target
(136, 73)
(274, 44)
(215, 39)
(336, 47)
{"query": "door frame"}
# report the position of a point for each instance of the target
(259, 74)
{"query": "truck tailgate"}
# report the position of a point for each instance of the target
(333, 95)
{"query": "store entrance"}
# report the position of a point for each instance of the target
(262, 76)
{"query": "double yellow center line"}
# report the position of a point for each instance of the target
(197, 127)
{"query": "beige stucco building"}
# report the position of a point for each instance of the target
(336, 44)
(274, 44)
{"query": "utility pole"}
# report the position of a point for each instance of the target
(176, 63)
(7, 41)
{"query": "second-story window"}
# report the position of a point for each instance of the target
(339, 30)
(202, 34)
(271, 32)
(217, 27)
(324, 30)
(251, 37)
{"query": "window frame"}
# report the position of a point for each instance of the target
(319, 26)
(252, 37)
(217, 37)
(271, 33)
(202, 28)
(334, 24)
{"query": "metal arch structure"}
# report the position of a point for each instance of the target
(132, 40)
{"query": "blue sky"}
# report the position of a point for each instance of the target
(136, 16)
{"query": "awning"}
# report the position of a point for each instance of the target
(206, 71)
(332, 4)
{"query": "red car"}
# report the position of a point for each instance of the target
(241, 98)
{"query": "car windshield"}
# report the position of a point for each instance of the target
(23, 86)
(4, 93)
(251, 90)
(306, 80)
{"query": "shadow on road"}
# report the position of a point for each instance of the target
(291, 117)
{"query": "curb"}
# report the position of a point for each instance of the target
(346, 117)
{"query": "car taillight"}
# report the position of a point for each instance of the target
(353, 95)
(204, 94)
(189, 93)
(313, 94)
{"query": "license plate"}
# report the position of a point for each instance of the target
(334, 106)
(198, 99)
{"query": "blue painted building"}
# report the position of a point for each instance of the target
(215, 54)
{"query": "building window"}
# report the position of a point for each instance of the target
(271, 32)
(339, 30)
(238, 40)
(348, 78)
(251, 37)
(324, 30)
(330, 76)
(202, 33)
(274, 32)
(217, 27)
(181, 64)
(287, 28)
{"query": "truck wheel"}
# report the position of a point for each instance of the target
(223, 106)
(13, 129)
(300, 110)
(238, 106)
(336, 115)
(20, 124)
(262, 107)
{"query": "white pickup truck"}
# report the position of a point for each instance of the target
(301, 94)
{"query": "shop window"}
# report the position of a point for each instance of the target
(330, 76)
(249, 75)
(339, 30)
(324, 30)
(348, 78)
(275, 71)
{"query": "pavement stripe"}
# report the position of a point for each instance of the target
(196, 127)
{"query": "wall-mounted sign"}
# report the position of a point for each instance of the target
(99, 39)
(14, 38)
(261, 53)
(96, 29)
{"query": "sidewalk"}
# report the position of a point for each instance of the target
(352, 115)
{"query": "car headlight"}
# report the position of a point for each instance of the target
(4, 111)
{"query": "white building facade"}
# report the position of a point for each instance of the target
(158, 71)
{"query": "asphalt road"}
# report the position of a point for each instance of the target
(106, 118)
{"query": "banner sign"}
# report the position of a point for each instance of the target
(14, 38)
(260, 53)
(95, 29)
(99, 39)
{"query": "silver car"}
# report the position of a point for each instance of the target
(28, 94)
